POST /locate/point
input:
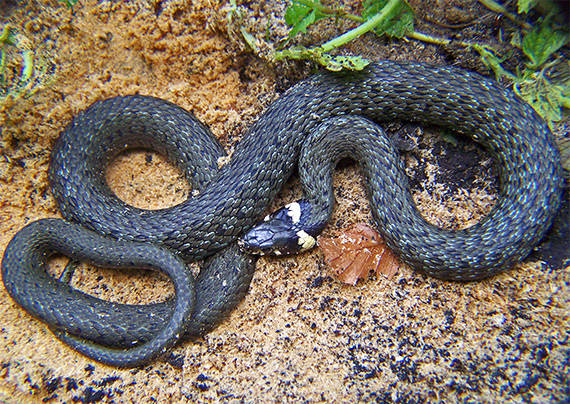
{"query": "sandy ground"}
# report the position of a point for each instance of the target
(299, 335)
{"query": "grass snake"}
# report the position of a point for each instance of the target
(102, 229)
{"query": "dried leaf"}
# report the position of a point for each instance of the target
(357, 251)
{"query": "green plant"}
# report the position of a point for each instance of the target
(534, 81)
(22, 68)
(385, 17)
(395, 18)
(10, 79)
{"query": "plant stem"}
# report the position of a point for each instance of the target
(361, 29)
(435, 40)
(28, 68)
(428, 38)
(496, 7)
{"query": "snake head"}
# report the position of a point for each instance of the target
(280, 233)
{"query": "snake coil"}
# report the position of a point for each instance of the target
(232, 198)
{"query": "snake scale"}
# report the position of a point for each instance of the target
(231, 199)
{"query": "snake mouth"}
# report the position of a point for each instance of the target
(281, 233)
(271, 237)
(262, 240)
(249, 249)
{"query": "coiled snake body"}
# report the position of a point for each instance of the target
(232, 198)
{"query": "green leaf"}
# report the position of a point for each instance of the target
(337, 63)
(303, 24)
(300, 16)
(316, 54)
(545, 97)
(542, 42)
(523, 6)
(295, 13)
(397, 24)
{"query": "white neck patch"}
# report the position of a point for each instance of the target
(294, 212)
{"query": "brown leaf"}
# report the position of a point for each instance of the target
(355, 252)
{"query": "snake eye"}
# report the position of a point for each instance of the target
(279, 234)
